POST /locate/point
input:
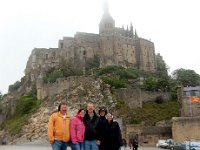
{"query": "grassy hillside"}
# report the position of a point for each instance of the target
(150, 114)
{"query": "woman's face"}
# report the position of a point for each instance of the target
(82, 113)
(109, 117)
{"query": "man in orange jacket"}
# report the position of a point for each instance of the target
(58, 128)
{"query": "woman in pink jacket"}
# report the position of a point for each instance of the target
(77, 130)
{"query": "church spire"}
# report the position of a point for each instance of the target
(107, 23)
(131, 30)
(136, 35)
(105, 6)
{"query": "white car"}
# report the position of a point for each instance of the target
(164, 143)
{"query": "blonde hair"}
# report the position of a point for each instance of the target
(109, 114)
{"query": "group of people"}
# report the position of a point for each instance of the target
(86, 131)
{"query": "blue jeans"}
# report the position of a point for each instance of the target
(90, 145)
(59, 145)
(78, 146)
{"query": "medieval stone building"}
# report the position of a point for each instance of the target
(113, 46)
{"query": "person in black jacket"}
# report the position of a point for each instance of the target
(102, 127)
(91, 120)
(113, 138)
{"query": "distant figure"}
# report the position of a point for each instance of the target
(4, 141)
(124, 143)
(77, 130)
(133, 143)
(58, 128)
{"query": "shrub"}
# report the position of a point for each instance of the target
(26, 104)
(14, 86)
(114, 82)
(128, 74)
(135, 121)
(159, 99)
(109, 70)
(53, 75)
(15, 125)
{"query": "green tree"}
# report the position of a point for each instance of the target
(162, 68)
(26, 104)
(15, 86)
(150, 84)
(1, 96)
(186, 77)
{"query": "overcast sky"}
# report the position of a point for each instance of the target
(173, 26)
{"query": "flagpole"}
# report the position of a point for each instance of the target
(190, 104)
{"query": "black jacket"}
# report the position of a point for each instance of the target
(91, 126)
(102, 131)
(113, 138)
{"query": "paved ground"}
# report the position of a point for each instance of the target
(44, 145)
(47, 147)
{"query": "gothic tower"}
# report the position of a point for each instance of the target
(107, 23)
(106, 32)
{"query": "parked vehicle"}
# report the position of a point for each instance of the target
(165, 143)
(177, 146)
(192, 145)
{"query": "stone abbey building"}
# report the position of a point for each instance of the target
(113, 46)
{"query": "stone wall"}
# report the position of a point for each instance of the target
(70, 83)
(135, 97)
(185, 128)
(148, 135)
(189, 109)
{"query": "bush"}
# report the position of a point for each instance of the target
(109, 70)
(26, 104)
(128, 74)
(14, 87)
(159, 99)
(70, 71)
(52, 76)
(114, 82)
(15, 125)
(135, 121)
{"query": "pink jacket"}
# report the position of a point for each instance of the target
(77, 129)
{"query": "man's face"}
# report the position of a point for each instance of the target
(90, 107)
(63, 109)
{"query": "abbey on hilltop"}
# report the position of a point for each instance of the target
(113, 46)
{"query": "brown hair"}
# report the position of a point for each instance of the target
(80, 110)
(63, 103)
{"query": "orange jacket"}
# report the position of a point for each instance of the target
(58, 127)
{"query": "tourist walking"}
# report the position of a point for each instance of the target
(113, 138)
(77, 130)
(91, 121)
(133, 142)
(58, 128)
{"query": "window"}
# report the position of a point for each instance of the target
(46, 56)
(61, 45)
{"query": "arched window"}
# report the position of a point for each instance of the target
(84, 52)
